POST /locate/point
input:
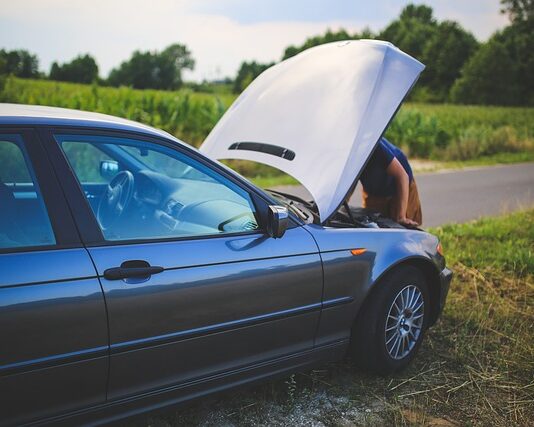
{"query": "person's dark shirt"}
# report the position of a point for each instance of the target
(374, 178)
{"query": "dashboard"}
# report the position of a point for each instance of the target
(170, 207)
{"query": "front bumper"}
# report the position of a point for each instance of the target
(445, 278)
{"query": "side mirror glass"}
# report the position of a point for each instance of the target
(108, 169)
(278, 221)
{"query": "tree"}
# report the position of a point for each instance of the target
(443, 47)
(82, 69)
(248, 72)
(445, 53)
(20, 63)
(518, 10)
(154, 70)
(501, 71)
(412, 30)
(489, 77)
(328, 37)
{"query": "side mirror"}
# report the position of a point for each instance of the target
(108, 168)
(278, 221)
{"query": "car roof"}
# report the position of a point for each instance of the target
(31, 115)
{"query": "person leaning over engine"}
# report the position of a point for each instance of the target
(388, 185)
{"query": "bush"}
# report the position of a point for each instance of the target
(477, 141)
(418, 134)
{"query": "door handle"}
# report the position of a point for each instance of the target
(129, 269)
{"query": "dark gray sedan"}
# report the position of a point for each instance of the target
(137, 273)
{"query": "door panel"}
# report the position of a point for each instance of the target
(177, 362)
(220, 303)
(50, 319)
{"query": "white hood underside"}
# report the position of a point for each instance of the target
(325, 109)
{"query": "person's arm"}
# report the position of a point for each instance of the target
(400, 201)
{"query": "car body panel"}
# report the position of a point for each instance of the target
(317, 116)
(54, 334)
(37, 115)
(350, 276)
(214, 293)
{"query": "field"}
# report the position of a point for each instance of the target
(450, 134)
(476, 366)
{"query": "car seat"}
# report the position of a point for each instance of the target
(13, 234)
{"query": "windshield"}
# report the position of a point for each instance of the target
(173, 168)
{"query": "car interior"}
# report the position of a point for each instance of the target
(139, 193)
(23, 217)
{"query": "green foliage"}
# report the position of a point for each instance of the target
(489, 77)
(518, 40)
(518, 10)
(500, 73)
(444, 48)
(328, 37)
(454, 132)
(20, 63)
(445, 52)
(505, 244)
(411, 30)
(434, 131)
(154, 70)
(189, 116)
(248, 72)
(82, 69)
(418, 134)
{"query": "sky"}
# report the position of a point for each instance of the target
(220, 33)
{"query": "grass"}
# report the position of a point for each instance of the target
(492, 160)
(476, 366)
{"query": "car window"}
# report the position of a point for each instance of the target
(149, 191)
(24, 221)
(85, 159)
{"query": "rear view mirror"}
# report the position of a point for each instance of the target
(108, 168)
(278, 221)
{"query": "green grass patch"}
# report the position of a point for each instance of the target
(274, 181)
(502, 245)
(491, 160)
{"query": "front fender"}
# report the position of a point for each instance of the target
(349, 279)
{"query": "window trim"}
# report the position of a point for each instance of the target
(65, 232)
(88, 226)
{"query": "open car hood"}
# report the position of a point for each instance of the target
(318, 115)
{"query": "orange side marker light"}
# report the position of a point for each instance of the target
(358, 251)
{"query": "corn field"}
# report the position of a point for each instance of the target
(428, 131)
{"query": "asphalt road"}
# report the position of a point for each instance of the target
(463, 195)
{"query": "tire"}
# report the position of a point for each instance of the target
(386, 351)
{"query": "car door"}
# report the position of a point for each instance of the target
(53, 326)
(194, 286)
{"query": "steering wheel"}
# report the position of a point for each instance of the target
(116, 199)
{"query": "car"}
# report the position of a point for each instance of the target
(138, 272)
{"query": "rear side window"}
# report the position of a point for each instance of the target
(24, 221)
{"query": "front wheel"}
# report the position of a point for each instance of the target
(390, 326)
